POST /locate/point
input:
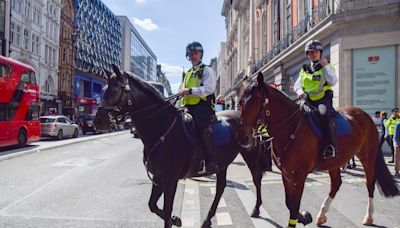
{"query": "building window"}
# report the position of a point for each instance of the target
(26, 39)
(288, 18)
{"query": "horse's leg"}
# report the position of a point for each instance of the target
(336, 181)
(369, 168)
(221, 183)
(156, 193)
(293, 193)
(169, 195)
(254, 161)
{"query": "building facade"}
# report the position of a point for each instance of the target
(97, 45)
(4, 27)
(65, 58)
(162, 78)
(360, 39)
(137, 57)
(34, 38)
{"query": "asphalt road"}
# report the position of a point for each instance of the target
(100, 181)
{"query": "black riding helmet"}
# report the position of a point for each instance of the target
(194, 46)
(313, 45)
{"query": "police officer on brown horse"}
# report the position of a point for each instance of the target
(198, 89)
(315, 82)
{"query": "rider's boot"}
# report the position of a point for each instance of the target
(211, 165)
(330, 148)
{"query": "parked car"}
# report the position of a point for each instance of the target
(87, 124)
(58, 126)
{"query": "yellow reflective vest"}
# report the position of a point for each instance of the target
(262, 129)
(314, 84)
(391, 123)
(193, 78)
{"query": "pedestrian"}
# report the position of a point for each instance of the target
(377, 121)
(197, 88)
(390, 124)
(315, 83)
(383, 132)
(396, 145)
(263, 146)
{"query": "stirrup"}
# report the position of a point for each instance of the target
(203, 167)
(331, 155)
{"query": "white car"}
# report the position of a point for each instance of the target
(58, 126)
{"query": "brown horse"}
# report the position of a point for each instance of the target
(169, 155)
(296, 148)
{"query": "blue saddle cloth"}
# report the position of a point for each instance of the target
(343, 126)
(221, 132)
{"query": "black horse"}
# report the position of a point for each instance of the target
(169, 154)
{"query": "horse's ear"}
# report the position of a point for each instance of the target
(106, 74)
(116, 70)
(260, 79)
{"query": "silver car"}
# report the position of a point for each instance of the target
(58, 126)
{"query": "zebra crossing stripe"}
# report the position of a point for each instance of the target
(224, 219)
(249, 200)
(191, 205)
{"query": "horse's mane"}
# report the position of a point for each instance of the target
(146, 87)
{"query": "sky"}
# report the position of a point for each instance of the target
(167, 26)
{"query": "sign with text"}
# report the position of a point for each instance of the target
(374, 76)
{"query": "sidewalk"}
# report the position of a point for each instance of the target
(48, 143)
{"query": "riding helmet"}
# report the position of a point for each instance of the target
(194, 46)
(313, 45)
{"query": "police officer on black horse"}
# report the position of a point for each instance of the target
(198, 89)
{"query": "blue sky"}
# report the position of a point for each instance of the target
(168, 26)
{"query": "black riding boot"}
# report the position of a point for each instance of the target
(330, 130)
(210, 153)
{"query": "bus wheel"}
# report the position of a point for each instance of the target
(22, 138)
(76, 133)
(60, 134)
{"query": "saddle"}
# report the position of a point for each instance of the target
(343, 126)
(221, 131)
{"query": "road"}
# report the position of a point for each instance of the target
(100, 181)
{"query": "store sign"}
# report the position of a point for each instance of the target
(374, 81)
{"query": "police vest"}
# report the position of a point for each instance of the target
(262, 129)
(391, 123)
(193, 78)
(314, 84)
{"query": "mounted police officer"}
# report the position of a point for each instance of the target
(198, 89)
(315, 82)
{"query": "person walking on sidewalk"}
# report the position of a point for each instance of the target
(390, 124)
(396, 145)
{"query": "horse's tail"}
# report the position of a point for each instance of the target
(384, 178)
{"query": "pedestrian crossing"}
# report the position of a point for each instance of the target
(239, 199)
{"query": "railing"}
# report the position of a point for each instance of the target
(319, 13)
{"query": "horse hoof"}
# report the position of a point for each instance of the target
(255, 213)
(305, 217)
(368, 221)
(176, 221)
(206, 224)
(321, 220)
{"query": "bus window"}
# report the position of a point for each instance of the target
(3, 112)
(4, 70)
(33, 112)
(33, 78)
(26, 78)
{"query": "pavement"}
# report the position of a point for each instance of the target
(49, 143)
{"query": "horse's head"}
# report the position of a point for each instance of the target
(115, 100)
(251, 101)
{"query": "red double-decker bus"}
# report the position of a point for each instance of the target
(19, 103)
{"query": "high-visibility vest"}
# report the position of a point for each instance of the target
(193, 78)
(262, 129)
(314, 84)
(391, 123)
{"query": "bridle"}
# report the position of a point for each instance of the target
(152, 111)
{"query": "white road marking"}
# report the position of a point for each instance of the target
(222, 203)
(212, 189)
(224, 219)
(191, 205)
(249, 200)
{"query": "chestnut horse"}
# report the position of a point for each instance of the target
(297, 149)
(169, 155)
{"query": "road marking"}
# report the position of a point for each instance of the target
(249, 200)
(191, 205)
(222, 203)
(212, 189)
(224, 219)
